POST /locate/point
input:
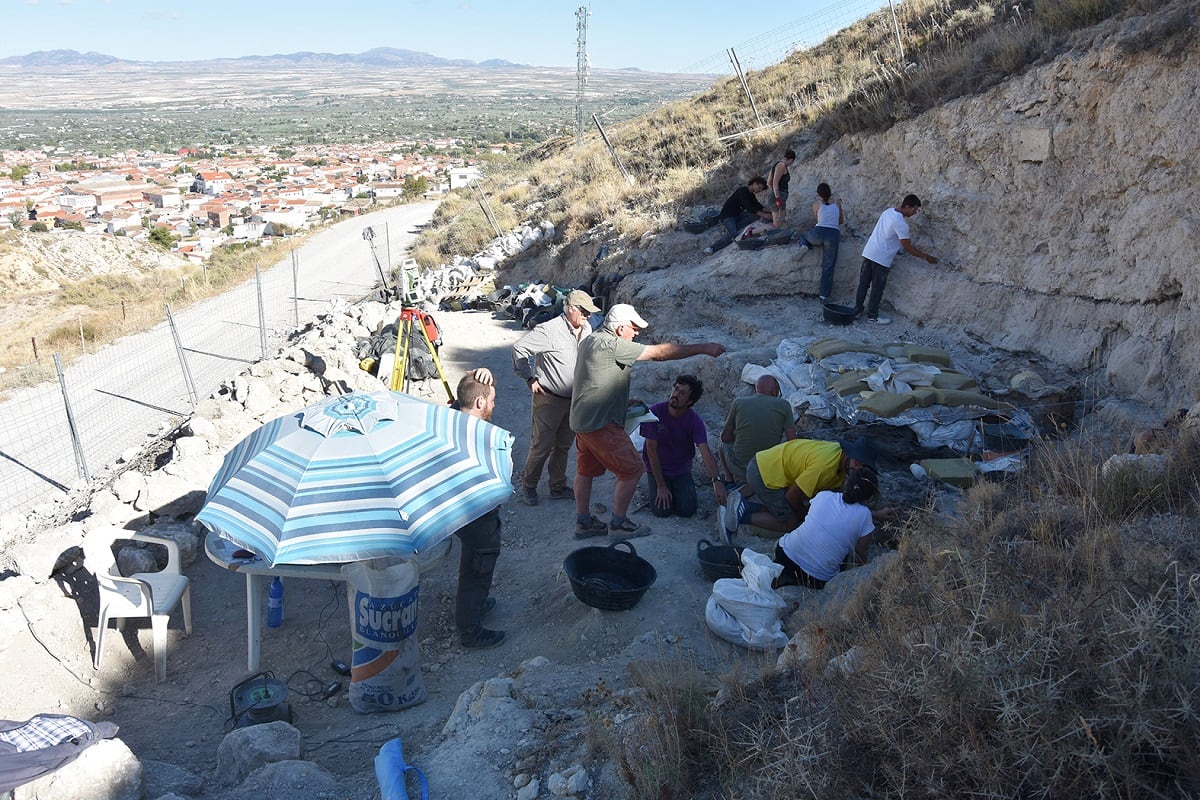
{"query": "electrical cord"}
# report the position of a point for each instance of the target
(314, 688)
(338, 589)
(351, 738)
(88, 685)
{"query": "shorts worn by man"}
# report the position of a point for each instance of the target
(599, 402)
(753, 424)
(670, 449)
(545, 359)
(783, 479)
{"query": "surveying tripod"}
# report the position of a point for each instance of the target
(411, 319)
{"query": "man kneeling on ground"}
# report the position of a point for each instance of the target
(670, 449)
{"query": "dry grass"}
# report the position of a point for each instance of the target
(854, 82)
(85, 315)
(1044, 642)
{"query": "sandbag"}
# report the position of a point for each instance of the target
(887, 404)
(954, 380)
(385, 672)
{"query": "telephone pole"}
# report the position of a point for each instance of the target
(581, 71)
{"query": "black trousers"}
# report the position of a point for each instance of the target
(793, 572)
(480, 548)
(873, 276)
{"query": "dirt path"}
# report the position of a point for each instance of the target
(183, 720)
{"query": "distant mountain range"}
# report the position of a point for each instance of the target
(376, 57)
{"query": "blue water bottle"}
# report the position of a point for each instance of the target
(275, 603)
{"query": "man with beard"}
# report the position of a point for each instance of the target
(670, 448)
(480, 539)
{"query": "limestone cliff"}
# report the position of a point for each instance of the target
(1063, 205)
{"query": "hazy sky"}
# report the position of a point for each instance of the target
(658, 35)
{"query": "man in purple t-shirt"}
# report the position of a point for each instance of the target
(670, 448)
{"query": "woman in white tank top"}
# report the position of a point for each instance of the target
(826, 234)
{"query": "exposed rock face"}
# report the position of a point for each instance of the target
(1062, 205)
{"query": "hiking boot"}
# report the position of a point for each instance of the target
(628, 530)
(529, 497)
(858, 312)
(565, 493)
(880, 320)
(708, 251)
(593, 527)
(481, 639)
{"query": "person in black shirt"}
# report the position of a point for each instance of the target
(740, 210)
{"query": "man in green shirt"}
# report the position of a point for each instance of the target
(599, 402)
(754, 424)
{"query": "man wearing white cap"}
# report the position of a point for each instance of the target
(599, 402)
(545, 359)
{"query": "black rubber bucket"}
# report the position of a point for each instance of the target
(837, 315)
(609, 578)
(719, 561)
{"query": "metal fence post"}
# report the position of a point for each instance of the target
(295, 289)
(262, 314)
(183, 365)
(80, 464)
(896, 28)
(737, 68)
(612, 151)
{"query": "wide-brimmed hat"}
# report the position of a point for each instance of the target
(581, 299)
(862, 449)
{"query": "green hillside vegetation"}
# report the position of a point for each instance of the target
(1041, 641)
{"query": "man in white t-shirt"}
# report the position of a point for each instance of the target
(890, 236)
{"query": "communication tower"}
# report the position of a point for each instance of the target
(581, 70)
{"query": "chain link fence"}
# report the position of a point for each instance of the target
(106, 406)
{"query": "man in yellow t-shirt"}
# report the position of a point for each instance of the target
(784, 478)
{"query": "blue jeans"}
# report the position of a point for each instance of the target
(733, 226)
(827, 239)
(873, 276)
(683, 495)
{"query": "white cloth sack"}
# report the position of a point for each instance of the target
(746, 611)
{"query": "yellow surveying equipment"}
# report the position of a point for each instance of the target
(412, 319)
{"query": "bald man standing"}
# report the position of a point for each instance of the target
(755, 423)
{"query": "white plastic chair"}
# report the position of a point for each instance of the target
(143, 594)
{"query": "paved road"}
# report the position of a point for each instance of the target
(133, 390)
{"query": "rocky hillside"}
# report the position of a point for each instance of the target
(41, 262)
(1062, 204)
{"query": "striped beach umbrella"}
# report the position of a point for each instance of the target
(358, 476)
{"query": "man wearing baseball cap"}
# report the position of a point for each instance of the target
(599, 402)
(545, 359)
